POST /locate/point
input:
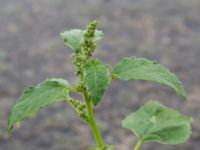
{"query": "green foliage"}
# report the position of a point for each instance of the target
(96, 80)
(143, 69)
(154, 122)
(73, 38)
(48, 92)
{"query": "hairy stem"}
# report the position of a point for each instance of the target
(138, 145)
(92, 122)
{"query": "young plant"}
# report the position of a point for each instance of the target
(153, 122)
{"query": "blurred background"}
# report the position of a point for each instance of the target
(31, 50)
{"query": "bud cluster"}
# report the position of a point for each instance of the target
(80, 108)
(87, 43)
(87, 48)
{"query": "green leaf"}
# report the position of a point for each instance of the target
(144, 69)
(109, 147)
(73, 38)
(154, 122)
(48, 92)
(96, 79)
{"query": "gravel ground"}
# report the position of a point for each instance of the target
(32, 50)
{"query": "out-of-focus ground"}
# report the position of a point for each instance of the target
(31, 50)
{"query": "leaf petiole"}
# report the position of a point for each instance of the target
(138, 145)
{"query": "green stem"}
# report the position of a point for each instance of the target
(138, 145)
(92, 122)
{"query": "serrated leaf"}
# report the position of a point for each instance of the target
(96, 79)
(109, 147)
(144, 69)
(154, 122)
(48, 92)
(73, 38)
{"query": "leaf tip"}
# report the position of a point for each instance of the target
(62, 34)
(9, 128)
